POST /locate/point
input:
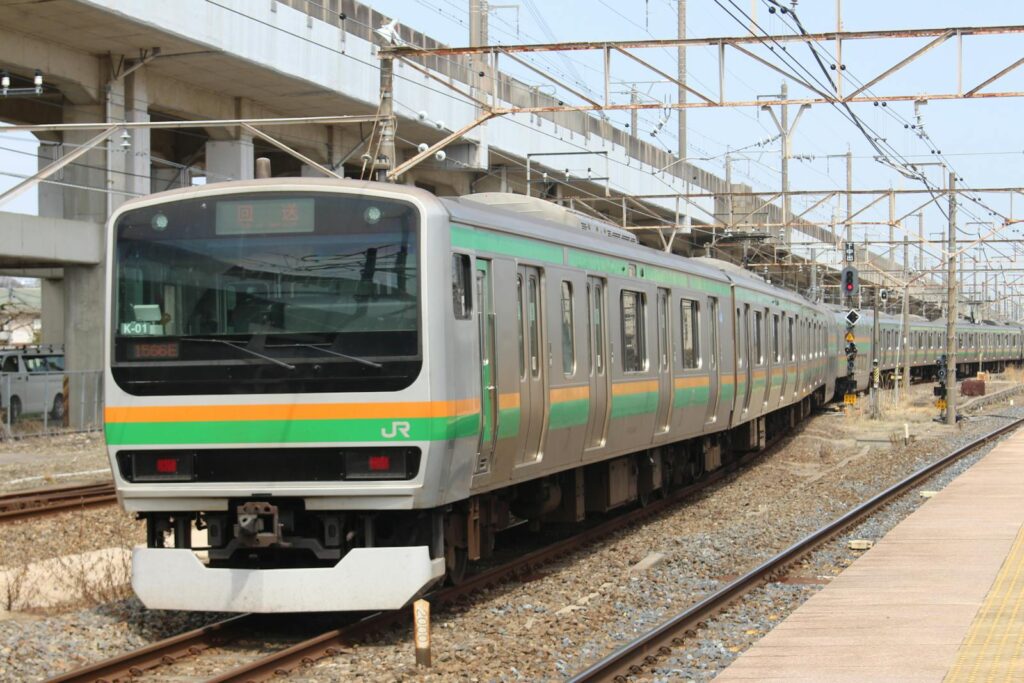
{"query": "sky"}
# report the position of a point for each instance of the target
(982, 139)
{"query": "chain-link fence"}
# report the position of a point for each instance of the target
(35, 403)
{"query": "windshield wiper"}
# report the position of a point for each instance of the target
(324, 348)
(225, 342)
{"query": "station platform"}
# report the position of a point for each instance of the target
(939, 598)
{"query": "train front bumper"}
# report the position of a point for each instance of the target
(364, 579)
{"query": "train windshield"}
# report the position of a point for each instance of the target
(267, 292)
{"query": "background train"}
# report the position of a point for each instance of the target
(328, 395)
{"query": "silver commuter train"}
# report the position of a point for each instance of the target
(328, 395)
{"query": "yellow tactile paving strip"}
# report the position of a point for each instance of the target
(993, 649)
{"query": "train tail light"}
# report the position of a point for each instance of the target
(155, 466)
(167, 465)
(393, 464)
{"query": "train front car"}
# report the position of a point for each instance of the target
(268, 398)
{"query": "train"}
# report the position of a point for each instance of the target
(330, 395)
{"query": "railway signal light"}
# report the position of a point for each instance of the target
(849, 281)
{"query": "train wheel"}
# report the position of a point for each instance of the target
(456, 561)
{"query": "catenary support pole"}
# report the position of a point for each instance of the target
(951, 308)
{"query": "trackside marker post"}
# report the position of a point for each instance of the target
(421, 631)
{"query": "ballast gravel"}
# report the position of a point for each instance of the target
(572, 612)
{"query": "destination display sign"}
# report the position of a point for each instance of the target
(265, 216)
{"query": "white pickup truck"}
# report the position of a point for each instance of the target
(32, 381)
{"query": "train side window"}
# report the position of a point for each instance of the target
(462, 294)
(598, 322)
(519, 326)
(789, 339)
(740, 350)
(689, 316)
(568, 335)
(634, 345)
(713, 330)
(758, 341)
(533, 318)
(665, 352)
(776, 347)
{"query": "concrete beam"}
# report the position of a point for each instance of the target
(40, 273)
(36, 240)
(77, 74)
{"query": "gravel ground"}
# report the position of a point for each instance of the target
(33, 648)
(581, 607)
(52, 461)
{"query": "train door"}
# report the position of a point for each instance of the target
(713, 363)
(597, 325)
(665, 389)
(488, 375)
(739, 364)
(532, 404)
(750, 358)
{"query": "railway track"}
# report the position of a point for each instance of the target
(616, 666)
(42, 501)
(641, 653)
(333, 642)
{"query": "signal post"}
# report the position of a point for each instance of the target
(848, 285)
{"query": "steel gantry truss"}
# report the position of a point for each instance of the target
(737, 45)
(492, 83)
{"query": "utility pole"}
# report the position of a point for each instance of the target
(682, 78)
(874, 360)
(728, 188)
(787, 205)
(814, 274)
(849, 195)
(907, 339)
(920, 241)
(478, 35)
(478, 12)
(892, 226)
(951, 309)
(785, 135)
(386, 160)
(634, 98)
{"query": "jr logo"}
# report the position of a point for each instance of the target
(396, 429)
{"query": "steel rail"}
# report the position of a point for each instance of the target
(36, 502)
(129, 666)
(168, 651)
(632, 658)
(334, 642)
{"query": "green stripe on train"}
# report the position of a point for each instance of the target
(690, 396)
(626, 405)
(484, 240)
(569, 413)
(508, 422)
(476, 239)
(292, 431)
